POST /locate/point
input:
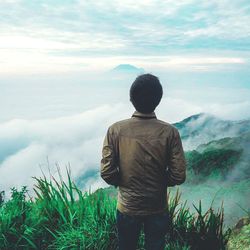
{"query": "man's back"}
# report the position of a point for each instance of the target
(143, 147)
(142, 156)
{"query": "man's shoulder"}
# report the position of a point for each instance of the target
(117, 125)
(167, 125)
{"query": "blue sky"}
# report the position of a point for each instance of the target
(74, 36)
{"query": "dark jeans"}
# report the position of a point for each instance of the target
(155, 229)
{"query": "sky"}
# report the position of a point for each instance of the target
(79, 35)
(58, 93)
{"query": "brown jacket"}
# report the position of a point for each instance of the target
(142, 156)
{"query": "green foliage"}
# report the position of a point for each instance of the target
(1, 198)
(198, 231)
(13, 216)
(212, 162)
(240, 239)
(63, 217)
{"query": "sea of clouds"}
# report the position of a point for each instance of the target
(29, 147)
(55, 121)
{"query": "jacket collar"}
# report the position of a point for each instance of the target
(144, 116)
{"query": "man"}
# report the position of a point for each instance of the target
(142, 156)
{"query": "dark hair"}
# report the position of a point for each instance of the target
(146, 93)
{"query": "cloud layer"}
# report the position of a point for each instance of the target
(76, 140)
(29, 146)
(62, 36)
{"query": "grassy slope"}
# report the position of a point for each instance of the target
(240, 238)
(62, 217)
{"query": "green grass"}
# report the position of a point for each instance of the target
(61, 216)
(240, 240)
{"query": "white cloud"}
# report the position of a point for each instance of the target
(78, 139)
(9, 1)
(175, 109)
(234, 111)
(25, 42)
(17, 169)
(71, 41)
(75, 139)
(47, 37)
(36, 61)
(226, 20)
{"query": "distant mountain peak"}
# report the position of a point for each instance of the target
(204, 127)
(127, 68)
(195, 117)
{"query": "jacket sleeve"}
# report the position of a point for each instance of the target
(109, 165)
(176, 172)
